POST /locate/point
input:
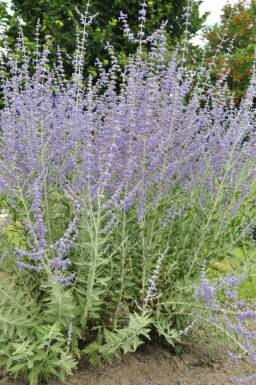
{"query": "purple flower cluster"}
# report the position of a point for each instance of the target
(132, 140)
(225, 307)
(151, 292)
(125, 140)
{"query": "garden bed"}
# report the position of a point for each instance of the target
(154, 364)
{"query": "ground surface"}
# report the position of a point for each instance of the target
(156, 365)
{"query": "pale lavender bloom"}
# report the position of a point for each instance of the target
(151, 293)
(233, 312)
(192, 325)
(60, 263)
(69, 337)
(23, 265)
(38, 213)
(65, 281)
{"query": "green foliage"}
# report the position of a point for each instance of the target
(239, 259)
(59, 20)
(4, 15)
(127, 339)
(60, 304)
(237, 25)
(33, 338)
(164, 328)
(17, 304)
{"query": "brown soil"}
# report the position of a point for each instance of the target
(156, 365)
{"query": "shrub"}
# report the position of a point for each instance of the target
(116, 192)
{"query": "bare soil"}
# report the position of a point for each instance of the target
(156, 365)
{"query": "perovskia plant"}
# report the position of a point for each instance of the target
(117, 190)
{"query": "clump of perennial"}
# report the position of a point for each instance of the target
(79, 156)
